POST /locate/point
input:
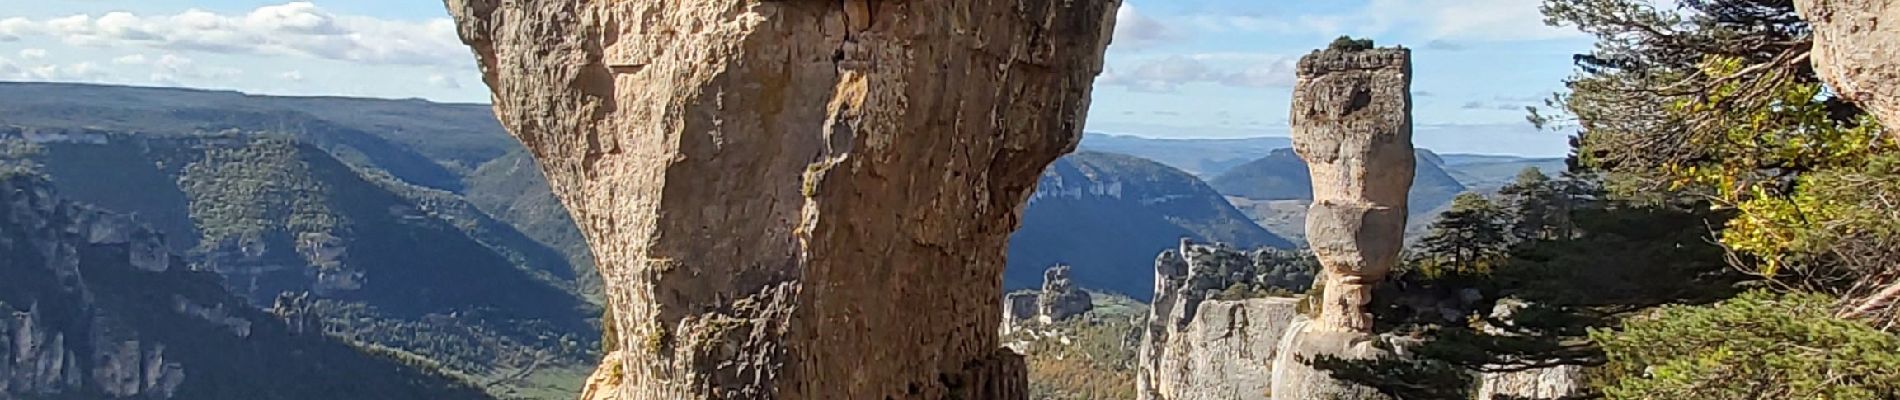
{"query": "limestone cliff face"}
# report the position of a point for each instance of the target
(1197, 346)
(796, 199)
(42, 353)
(1857, 51)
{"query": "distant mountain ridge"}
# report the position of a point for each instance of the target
(380, 261)
(1108, 215)
(1202, 157)
(449, 147)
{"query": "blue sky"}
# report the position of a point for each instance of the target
(1179, 68)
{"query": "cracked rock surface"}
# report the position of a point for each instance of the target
(795, 199)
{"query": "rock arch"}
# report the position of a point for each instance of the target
(795, 199)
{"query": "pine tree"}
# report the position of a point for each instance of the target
(1470, 237)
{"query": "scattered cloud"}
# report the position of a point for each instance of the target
(293, 76)
(1442, 44)
(1170, 73)
(289, 29)
(1443, 24)
(444, 81)
(1136, 30)
(32, 54)
(173, 69)
(135, 59)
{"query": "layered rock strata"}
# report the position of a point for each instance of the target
(1352, 124)
(1857, 51)
(795, 199)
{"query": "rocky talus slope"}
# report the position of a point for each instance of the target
(1857, 51)
(792, 199)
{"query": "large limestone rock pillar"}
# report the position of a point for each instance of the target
(795, 199)
(1857, 51)
(1352, 123)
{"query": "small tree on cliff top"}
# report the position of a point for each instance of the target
(1347, 43)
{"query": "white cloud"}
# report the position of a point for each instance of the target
(32, 54)
(173, 69)
(295, 29)
(135, 59)
(1170, 73)
(293, 76)
(1135, 30)
(444, 81)
(1421, 20)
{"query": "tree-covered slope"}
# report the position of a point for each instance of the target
(1107, 215)
(383, 262)
(99, 309)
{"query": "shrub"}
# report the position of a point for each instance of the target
(1759, 345)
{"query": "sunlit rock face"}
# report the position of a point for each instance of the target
(1352, 124)
(1200, 347)
(795, 199)
(1857, 51)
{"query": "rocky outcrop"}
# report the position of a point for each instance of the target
(1204, 341)
(1857, 51)
(1557, 382)
(1296, 378)
(1019, 307)
(792, 199)
(1352, 124)
(1060, 299)
(1226, 352)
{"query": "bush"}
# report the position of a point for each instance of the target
(1347, 43)
(1756, 346)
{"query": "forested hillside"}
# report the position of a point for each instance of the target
(379, 262)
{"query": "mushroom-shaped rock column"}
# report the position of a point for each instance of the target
(1352, 123)
(795, 199)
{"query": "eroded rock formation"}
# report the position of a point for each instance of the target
(1060, 298)
(795, 199)
(1200, 346)
(1857, 51)
(1352, 124)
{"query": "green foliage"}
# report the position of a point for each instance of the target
(1347, 43)
(244, 193)
(1096, 361)
(1756, 346)
(1472, 237)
